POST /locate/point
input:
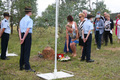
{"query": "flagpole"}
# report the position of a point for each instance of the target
(56, 74)
(56, 33)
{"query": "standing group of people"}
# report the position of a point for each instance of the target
(83, 32)
(25, 35)
(102, 26)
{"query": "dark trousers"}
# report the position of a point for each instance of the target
(25, 52)
(98, 39)
(87, 48)
(108, 34)
(4, 44)
(103, 38)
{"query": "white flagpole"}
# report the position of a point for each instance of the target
(56, 74)
(56, 33)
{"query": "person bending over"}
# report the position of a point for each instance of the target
(74, 36)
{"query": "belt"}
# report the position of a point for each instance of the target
(24, 33)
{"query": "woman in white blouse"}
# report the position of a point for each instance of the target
(118, 28)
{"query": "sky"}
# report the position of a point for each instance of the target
(112, 5)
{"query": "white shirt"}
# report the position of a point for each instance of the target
(118, 23)
(73, 25)
(107, 25)
(26, 22)
(88, 25)
(5, 24)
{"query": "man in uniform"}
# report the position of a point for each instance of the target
(4, 35)
(25, 35)
(87, 38)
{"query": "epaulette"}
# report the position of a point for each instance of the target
(5, 20)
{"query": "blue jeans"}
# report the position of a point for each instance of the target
(98, 37)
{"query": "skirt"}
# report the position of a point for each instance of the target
(81, 43)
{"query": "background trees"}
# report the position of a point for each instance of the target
(66, 7)
(16, 10)
(2, 8)
(69, 7)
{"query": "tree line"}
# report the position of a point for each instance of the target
(16, 10)
(69, 7)
(66, 7)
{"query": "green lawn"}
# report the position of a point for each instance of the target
(105, 67)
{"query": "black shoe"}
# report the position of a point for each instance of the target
(82, 60)
(90, 60)
(31, 70)
(5, 58)
(22, 68)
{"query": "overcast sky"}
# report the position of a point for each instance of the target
(113, 5)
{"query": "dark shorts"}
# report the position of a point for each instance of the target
(81, 43)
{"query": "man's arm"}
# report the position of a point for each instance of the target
(1, 32)
(26, 33)
(91, 28)
(19, 33)
(88, 35)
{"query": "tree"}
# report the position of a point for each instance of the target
(17, 10)
(100, 6)
(2, 8)
(68, 7)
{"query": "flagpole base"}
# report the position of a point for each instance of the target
(55, 75)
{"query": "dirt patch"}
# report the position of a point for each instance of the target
(113, 49)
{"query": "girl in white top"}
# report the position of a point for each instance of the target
(118, 28)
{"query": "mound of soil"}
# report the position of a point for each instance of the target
(48, 53)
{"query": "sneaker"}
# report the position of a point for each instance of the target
(31, 70)
(90, 61)
(97, 49)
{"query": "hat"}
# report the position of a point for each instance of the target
(6, 14)
(90, 16)
(69, 25)
(98, 12)
(97, 16)
(28, 9)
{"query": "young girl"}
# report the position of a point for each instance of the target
(74, 36)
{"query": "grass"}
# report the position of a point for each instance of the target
(105, 67)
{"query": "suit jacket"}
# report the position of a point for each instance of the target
(101, 26)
